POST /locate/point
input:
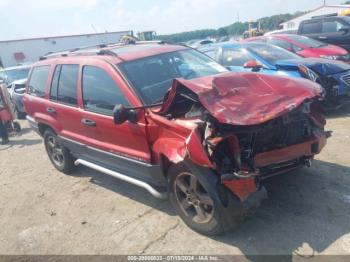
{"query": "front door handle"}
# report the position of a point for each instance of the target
(50, 110)
(322, 37)
(88, 122)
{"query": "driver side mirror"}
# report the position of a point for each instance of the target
(254, 65)
(122, 114)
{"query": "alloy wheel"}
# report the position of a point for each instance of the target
(193, 199)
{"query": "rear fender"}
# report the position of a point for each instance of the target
(48, 120)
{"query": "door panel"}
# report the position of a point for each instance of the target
(121, 147)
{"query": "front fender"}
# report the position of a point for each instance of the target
(177, 149)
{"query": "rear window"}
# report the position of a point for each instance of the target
(311, 28)
(38, 79)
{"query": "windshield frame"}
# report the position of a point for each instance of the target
(143, 99)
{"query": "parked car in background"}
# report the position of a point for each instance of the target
(333, 30)
(333, 76)
(17, 90)
(305, 46)
(175, 122)
(282, 31)
(199, 43)
(11, 74)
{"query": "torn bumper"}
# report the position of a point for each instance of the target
(275, 162)
(306, 149)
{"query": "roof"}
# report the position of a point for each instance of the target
(231, 44)
(121, 52)
(316, 9)
(132, 52)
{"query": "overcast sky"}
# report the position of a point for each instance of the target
(35, 18)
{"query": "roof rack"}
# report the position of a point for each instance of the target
(97, 49)
(327, 15)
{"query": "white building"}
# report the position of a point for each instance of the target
(14, 52)
(323, 10)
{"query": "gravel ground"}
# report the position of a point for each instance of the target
(43, 211)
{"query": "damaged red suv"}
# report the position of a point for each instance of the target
(174, 122)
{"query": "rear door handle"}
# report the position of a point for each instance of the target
(88, 122)
(50, 110)
(322, 37)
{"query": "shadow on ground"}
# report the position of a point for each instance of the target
(305, 213)
(20, 142)
(125, 189)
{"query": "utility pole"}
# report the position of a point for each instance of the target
(324, 2)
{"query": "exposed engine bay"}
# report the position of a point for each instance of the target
(223, 142)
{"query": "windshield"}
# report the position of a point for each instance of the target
(152, 76)
(307, 41)
(272, 54)
(15, 74)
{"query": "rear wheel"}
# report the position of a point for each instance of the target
(58, 154)
(202, 203)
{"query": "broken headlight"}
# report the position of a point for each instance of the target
(308, 73)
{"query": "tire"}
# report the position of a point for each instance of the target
(59, 156)
(20, 115)
(17, 127)
(222, 211)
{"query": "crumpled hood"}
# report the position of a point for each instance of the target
(321, 66)
(245, 98)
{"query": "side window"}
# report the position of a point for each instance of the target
(311, 28)
(64, 84)
(331, 26)
(232, 57)
(100, 92)
(38, 79)
(67, 84)
(54, 83)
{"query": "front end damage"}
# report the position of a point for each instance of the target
(249, 127)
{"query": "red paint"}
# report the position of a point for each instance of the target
(246, 98)
(329, 50)
(291, 152)
(240, 99)
(242, 188)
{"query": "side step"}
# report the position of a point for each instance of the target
(125, 178)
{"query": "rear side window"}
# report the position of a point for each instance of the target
(38, 79)
(100, 92)
(64, 84)
(311, 28)
(332, 26)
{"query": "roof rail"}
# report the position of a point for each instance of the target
(97, 49)
(327, 15)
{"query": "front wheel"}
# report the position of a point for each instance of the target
(202, 203)
(58, 154)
